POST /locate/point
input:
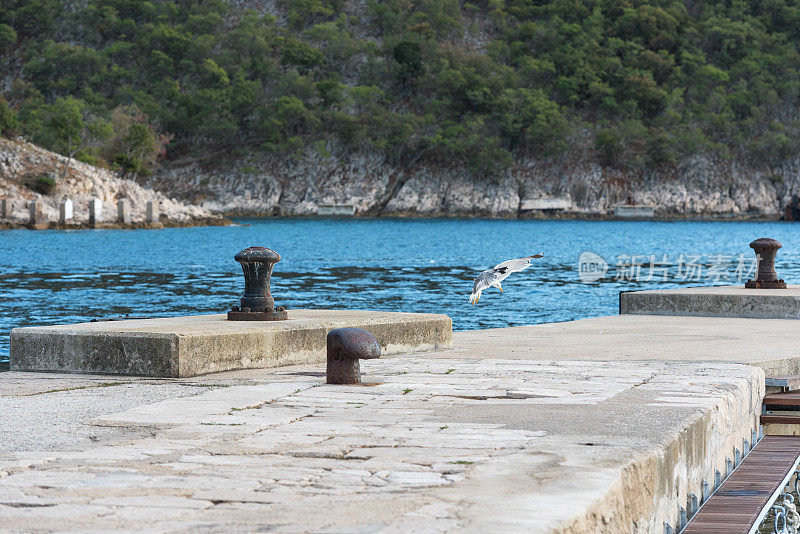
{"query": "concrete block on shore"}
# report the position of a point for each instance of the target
(95, 211)
(546, 203)
(336, 210)
(153, 211)
(36, 217)
(65, 211)
(124, 210)
(634, 211)
(195, 345)
(7, 206)
(719, 301)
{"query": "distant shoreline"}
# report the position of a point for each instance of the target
(726, 217)
(227, 220)
(211, 221)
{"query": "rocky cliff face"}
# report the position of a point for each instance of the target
(23, 165)
(271, 186)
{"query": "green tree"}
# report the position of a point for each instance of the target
(408, 56)
(8, 118)
(69, 128)
(8, 37)
(135, 145)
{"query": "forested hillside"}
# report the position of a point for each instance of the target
(641, 84)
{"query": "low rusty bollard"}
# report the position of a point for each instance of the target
(345, 347)
(257, 302)
(766, 277)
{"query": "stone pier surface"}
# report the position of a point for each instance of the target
(456, 443)
(771, 344)
(604, 425)
(719, 301)
(194, 345)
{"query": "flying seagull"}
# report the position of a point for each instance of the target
(494, 276)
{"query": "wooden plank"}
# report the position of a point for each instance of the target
(738, 503)
(790, 398)
(780, 419)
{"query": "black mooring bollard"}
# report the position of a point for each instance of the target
(766, 278)
(345, 347)
(257, 302)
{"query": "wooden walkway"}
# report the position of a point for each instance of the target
(738, 503)
(788, 401)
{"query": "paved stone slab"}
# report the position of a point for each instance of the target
(720, 301)
(772, 344)
(190, 346)
(446, 444)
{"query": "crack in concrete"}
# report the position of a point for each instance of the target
(76, 388)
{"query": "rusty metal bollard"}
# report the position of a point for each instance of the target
(257, 303)
(345, 347)
(766, 277)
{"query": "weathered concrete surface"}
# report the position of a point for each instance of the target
(449, 444)
(721, 301)
(190, 346)
(771, 344)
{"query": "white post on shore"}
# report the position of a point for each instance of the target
(95, 211)
(124, 210)
(65, 211)
(153, 211)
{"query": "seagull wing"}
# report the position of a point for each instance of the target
(514, 266)
(483, 281)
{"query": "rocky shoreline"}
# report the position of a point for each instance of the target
(29, 173)
(566, 216)
(261, 185)
(191, 192)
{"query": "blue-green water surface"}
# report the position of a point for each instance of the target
(410, 265)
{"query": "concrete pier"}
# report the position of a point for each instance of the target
(719, 301)
(446, 442)
(609, 424)
(189, 346)
(124, 211)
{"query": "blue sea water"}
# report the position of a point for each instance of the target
(410, 265)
